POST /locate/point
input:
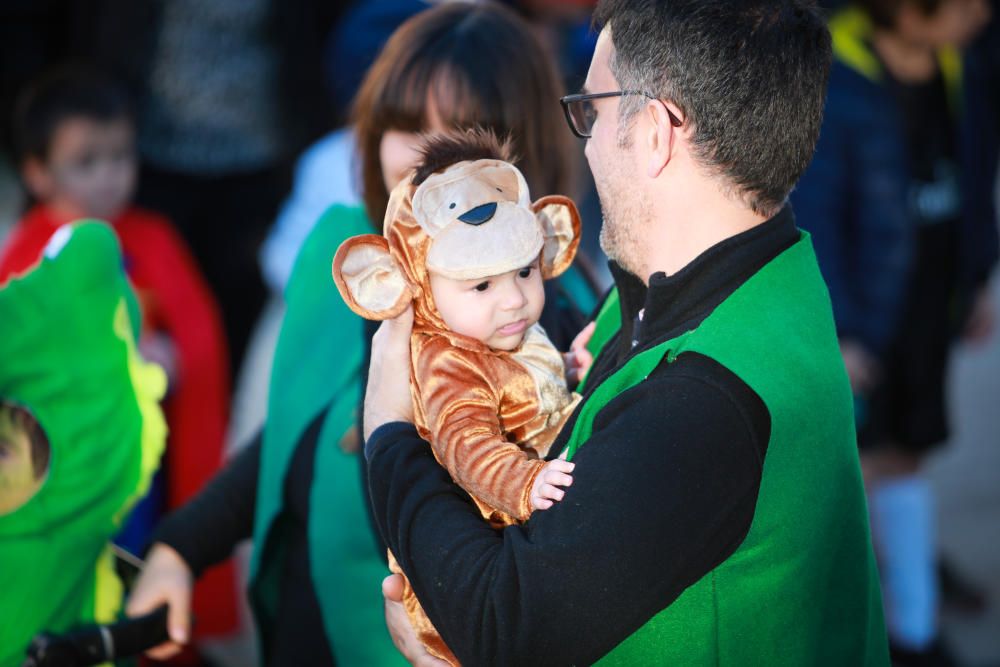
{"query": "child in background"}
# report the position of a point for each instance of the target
(77, 156)
(466, 247)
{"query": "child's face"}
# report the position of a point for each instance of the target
(90, 170)
(497, 310)
(18, 481)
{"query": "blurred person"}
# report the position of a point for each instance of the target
(717, 512)
(298, 489)
(78, 160)
(228, 92)
(325, 174)
(899, 202)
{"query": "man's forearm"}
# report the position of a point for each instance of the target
(647, 515)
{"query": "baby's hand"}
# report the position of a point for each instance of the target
(579, 358)
(545, 491)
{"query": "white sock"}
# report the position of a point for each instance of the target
(902, 510)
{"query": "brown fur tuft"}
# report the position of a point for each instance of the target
(440, 151)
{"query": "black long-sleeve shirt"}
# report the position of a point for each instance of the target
(205, 530)
(664, 490)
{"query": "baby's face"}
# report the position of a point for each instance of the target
(497, 310)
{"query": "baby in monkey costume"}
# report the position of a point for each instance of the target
(464, 245)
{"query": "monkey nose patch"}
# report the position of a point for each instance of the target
(479, 214)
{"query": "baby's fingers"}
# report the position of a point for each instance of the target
(551, 492)
(558, 478)
(560, 465)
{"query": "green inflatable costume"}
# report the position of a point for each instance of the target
(68, 340)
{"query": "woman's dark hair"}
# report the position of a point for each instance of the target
(68, 91)
(475, 64)
(883, 13)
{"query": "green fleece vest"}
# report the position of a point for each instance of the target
(317, 366)
(802, 588)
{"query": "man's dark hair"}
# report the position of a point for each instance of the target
(883, 13)
(749, 75)
(70, 91)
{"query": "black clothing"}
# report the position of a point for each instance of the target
(205, 530)
(697, 436)
(907, 409)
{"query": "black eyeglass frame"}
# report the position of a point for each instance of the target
(567, 100)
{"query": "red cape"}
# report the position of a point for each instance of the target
(176, 301)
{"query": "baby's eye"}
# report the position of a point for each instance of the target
(483, 286)
(526, 271)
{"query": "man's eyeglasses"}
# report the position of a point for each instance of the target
(580, 112)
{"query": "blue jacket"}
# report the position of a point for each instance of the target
(853, 196)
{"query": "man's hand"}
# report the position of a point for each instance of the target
(387, 398)
(545, 490)
(579, 359)
(165, 579)
(862, 368)
(399, 626)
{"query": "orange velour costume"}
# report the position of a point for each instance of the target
(490, 415)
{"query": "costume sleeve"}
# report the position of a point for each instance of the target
(205, 529)
(663, 491)
(461, 404)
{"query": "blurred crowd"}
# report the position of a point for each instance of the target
(231, 145)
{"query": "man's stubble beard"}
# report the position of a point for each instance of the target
(624, 209)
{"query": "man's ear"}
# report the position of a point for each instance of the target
(661, 137)
(560, 222)
(369, 279)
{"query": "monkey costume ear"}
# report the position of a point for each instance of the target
(560, 222)
(369, 280)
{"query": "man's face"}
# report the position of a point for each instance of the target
(497, 310)
(611, 153)
(90, 170)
